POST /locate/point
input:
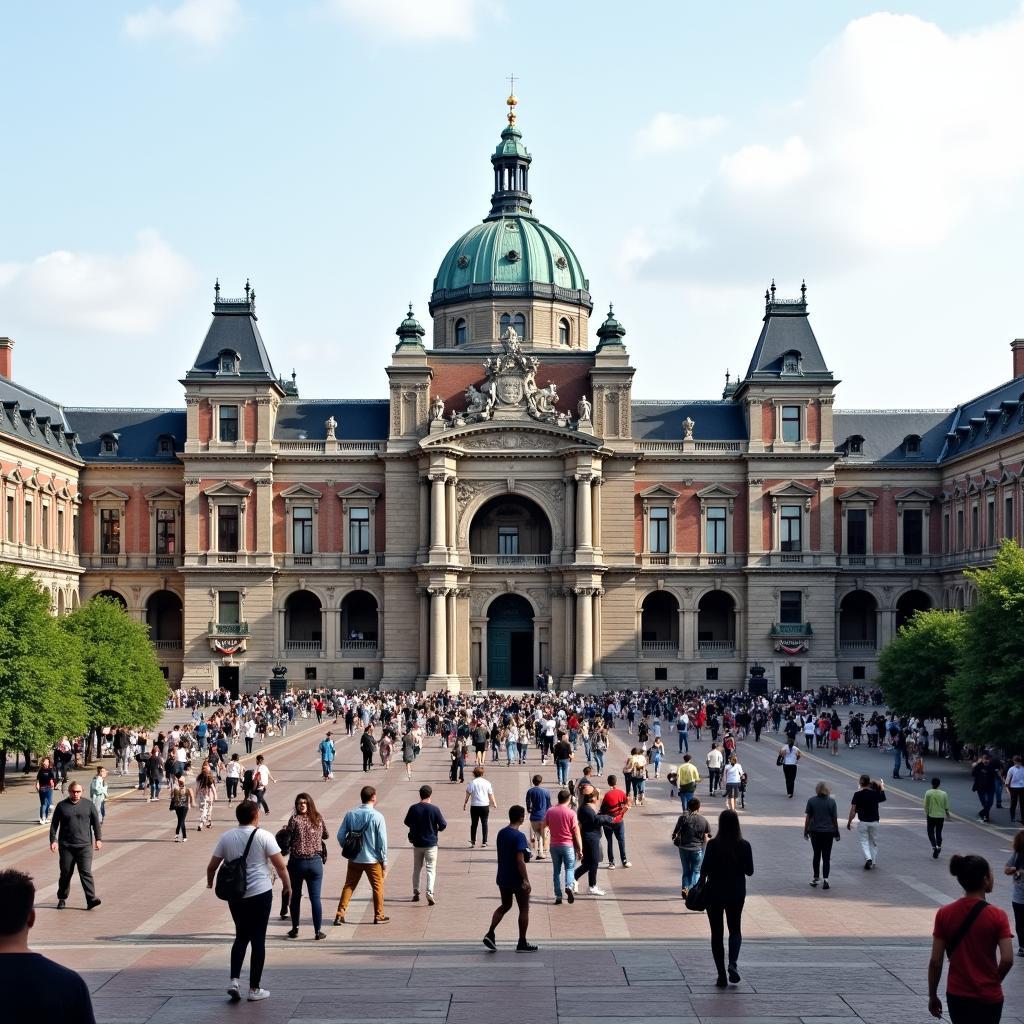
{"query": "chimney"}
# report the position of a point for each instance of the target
(7, 351)
(1016, 346)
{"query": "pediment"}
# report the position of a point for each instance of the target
(659, 491)
(165, 494)
(519, 438)
(1007, 477)
(359, 491)
(717, 491)
(973, 487)
(227, 489)
(302, 491)
(916, 494)
(108, 494)
(858, 494)
(794, 489)
(15, 476)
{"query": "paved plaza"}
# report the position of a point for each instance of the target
(156, 950)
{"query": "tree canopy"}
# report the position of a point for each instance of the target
(41, 675)
(916, 666)
(985, 694)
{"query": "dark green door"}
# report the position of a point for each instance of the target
(510, 642)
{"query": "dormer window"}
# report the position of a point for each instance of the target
(165, 445)
(912, 444)
(855, 445)
(792, 362)
(228, 361)
(108, 444)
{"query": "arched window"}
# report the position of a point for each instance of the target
(563, 332)
(517, 322)
(461, 332)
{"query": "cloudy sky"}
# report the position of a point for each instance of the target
(332, 150)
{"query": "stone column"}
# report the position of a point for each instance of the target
(450, 515)
(450, 639)
(423, 538)
(755, 526)
(438, 631)
(584, 513)
(595, 514)
(265, 516)
(423, 601)
(584, 631)
(438, 548)
(570, 520)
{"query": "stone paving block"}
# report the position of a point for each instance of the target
(733, 1004)
(563, 1019)
(119, 1010)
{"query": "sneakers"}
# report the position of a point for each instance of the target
(814, 882)
(61, 904)
(415, 897)
(558, 901)
(257, 994)
(381, 920)
(234, 994)
(867, 864)
(339, 919)
(488, 941)
(320, 935)
(184, 839)
(293, 933)
(594, 891)
(935, 852)
(722, 981)
(627, 864)
(431, 899)
(825, 884)
(734, 976)
(522, 946)
(611, 866)
(570, 893)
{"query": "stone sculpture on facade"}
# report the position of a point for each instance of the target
(583, 409)
(332, 425)
(437, 409)
(688, 425)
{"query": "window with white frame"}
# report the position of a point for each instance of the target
(227, 528)
(166, 531)
(302, 530)
(110, 531)
(714, 530)
(791, 433)
(359, 530)
(227, 423)
(790, 523)
(508, 540)
(657, 525)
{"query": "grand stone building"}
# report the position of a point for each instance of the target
(509, 507)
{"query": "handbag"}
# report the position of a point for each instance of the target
(231, 877)
(780, 760)
(323, 850)
(353, 844)
(284, 839)
(697, 898)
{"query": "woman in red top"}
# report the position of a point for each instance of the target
(971, 932)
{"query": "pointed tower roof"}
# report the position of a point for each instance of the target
(786, 333)
(233, 329)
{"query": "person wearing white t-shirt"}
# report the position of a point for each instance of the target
(480, 798)
(733, 775)
(251, 913)
(714, 761)
(250, 734)
(1015, 784)
(809, 733)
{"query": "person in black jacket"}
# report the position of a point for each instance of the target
(367, 744)
(74, 830)
(591, 825)
(728, 860)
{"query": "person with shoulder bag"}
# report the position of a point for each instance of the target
(182, 800)
(305, 843)
(689, 837)
(363, 836)
(787, 760)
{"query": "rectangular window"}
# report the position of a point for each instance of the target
(110, 531)
(1008, 524)
(975, 534)
(791, 424)
(789, 527)
(302, 530)
(857, 531)
(227, 528)
(508, 540)
(60, 529)
(165, 538)
(228, 607)
(661, 675)
(310, 673)
(359, 531)
(658, 530)
(228, 422)
(12, 520)
(990, 521)
(44, 525)
(711, 674)
(859, 672)
(30, 537)
(945, 533)
(790, 606)
(76, 534)
(913, 531)
(716, 531)
(959, 529)
(358, 674)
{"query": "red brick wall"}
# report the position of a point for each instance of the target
(813, 422)
(249, 413)
(768, 422)
(205, 421)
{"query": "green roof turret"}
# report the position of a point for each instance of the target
(410, 331)
(511, 163)
(611, 332)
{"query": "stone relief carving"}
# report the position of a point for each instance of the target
(464, 494)
(479, 598)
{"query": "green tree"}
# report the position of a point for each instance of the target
(917, 664)
(123, 683)
(41, 675)
(985, 693)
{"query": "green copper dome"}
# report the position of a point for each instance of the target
(511, 254)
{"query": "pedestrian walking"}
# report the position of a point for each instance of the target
(1014, 780)
(458, 758)
(327, 752)
(424, 821)
(363, 836)
(715, 760)
(735, 779)
(367, 745)
(232, 777)
(656, 752)
(75, 831)
(1015, 867)
(409, 751)
(689, 836)
(615, 805)
(971, 932)
(864, 806)
(46, 783)
(250, 912)
(250, 734)
(562, 751)
(513, 880)
(261, 779)
(538, 800)
(206, 796)
(480, 798)
(182, 799)
(306, 846)
(821, 827)
(566, 846)
(728, 862)
(591, 823)
(788, 758)
(687, 778)
(937, 813)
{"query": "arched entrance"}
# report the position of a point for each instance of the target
(912, 602)
(510, 643)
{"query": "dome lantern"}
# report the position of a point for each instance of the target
(511, 162)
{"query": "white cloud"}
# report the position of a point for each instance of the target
(204, 22)
(412, 19)
(902, 134)
(130, 294)
(669, 133)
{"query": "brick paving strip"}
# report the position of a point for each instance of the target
(156, 951)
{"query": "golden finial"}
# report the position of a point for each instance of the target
(512, 101)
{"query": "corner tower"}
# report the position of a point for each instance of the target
(511, 270)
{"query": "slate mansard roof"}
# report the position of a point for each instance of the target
(137, 432)
(357, 419)
(233, 329)
(35, 420)
(663, 420)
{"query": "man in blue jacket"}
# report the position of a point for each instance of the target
(368, 854)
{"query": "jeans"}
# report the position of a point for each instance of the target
(231, 785)
(562, 770)
(821, 844)
(182, 813)
(685, 798)
(424, 857)
(311, 871)
(375, 873)
(72, 857)
(523, 747)
(616, 831)
(586, 749)
(897, 757)
(935, 832)
(260, 798)
(963, 1010)
(327, 767)
(684, 742)
(478, 815)
(1016, 800)
(690, 861)
(46, 801)
(563, 862)
(511, 752)
(154, 789)
(599, 759)
(733, 911)
(868, 832)
(657, 764)
(251, 916)
(986, 797)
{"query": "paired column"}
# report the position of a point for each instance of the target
(438, 630)
(438, 531)
(584, 631)
(450, 639)
(584, 512)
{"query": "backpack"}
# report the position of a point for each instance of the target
(231, 878)
(353, 844)
(247, 780)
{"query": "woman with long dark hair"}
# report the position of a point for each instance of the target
(728, 860)
(306, 835)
